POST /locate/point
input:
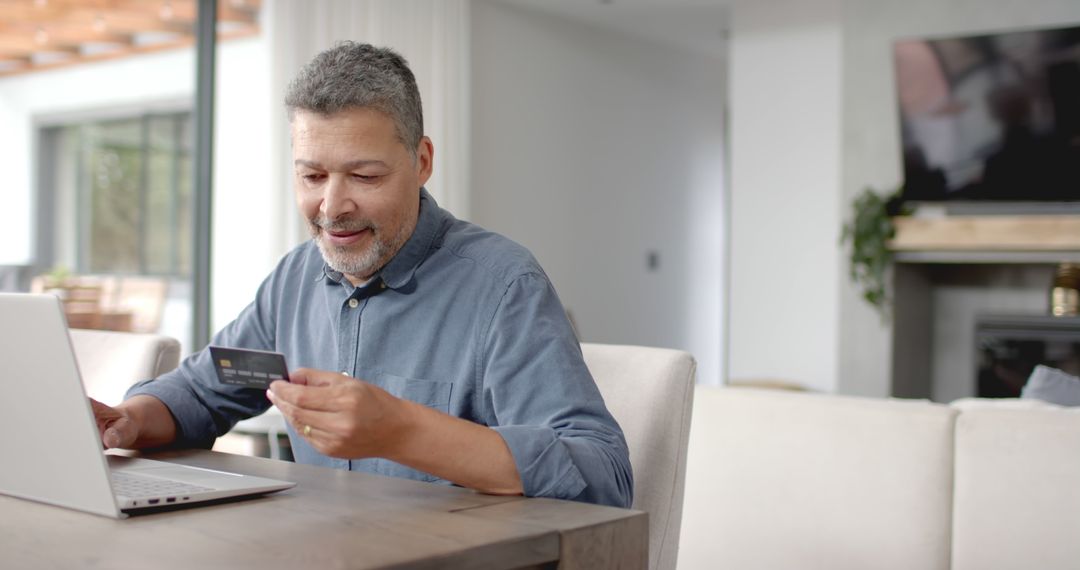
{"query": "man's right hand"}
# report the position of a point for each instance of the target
(116, 427)
(140, 421)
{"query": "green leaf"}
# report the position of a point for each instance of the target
(869, 232)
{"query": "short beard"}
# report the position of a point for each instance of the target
(343, 259)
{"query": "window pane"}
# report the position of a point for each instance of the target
(167, 196)
(114, 160)
(185, 185)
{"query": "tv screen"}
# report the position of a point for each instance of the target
(991, 117)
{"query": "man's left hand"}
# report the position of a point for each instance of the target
(341, 416)
(348, 418)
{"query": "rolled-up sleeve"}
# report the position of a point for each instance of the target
(565, 443)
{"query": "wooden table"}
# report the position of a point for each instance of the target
(331, 519)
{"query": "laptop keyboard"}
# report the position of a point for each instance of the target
(134, 486)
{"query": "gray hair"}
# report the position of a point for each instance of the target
(354, 75)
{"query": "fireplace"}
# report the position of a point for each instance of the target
(1008, 347)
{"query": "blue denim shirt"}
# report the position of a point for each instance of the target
(462, 320)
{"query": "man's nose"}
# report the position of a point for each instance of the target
(337, 200)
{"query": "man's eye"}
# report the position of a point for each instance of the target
(312, 177)
(367, 179)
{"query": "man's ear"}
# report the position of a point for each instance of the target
(425, 156)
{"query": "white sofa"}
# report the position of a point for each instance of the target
(783, 480)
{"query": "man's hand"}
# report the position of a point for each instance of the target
(141, 421)
(116, 427)
(341, 416)
(349, 418)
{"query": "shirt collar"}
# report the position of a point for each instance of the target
(400, 269)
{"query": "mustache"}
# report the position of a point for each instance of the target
(353, 224)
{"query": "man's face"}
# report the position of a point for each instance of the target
(358, 186)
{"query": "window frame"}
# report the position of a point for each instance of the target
(47, 132)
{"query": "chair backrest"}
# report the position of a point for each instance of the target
(110, 362)
(650, 392)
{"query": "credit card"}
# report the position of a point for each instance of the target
(248, 368)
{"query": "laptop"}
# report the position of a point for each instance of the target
(49, 442)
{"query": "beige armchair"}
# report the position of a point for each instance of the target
(110, 362)
(650, 392)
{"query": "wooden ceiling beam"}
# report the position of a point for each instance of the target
(145, 12)
(32, 27)
(125, 21)
(28, 45)
(65, 32)
(122, 20)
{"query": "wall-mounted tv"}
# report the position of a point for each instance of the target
(992, 117)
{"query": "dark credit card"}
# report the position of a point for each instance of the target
(248, 368)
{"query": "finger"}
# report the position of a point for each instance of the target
(299, 416)
(105, 417)
(312, 377)
(327, 443)
(120, 434)
(298, 376)
(301, 419)
(102, 412)
(271, 388)
(306, 397)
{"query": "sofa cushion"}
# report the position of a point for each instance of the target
(790, 480)
(1052, 385)
(1017, 490)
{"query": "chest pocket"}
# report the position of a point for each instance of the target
(427, 392)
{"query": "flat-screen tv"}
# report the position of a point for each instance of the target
(991, 117)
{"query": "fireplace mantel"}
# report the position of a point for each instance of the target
(951, 269)
(987, 239)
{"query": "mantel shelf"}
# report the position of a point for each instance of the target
(987, 257)
(987, 239)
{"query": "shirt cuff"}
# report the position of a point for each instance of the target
(193, 421)
(543, 462)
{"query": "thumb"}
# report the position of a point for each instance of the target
(299, 376)
(121, 434)
(312, 377)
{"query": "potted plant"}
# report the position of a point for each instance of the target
(869, 231)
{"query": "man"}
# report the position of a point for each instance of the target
(427, 347)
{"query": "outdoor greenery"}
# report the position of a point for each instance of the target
(133, 182)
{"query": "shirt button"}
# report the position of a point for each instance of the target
(353, 303)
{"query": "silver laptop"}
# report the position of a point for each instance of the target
(50, 444)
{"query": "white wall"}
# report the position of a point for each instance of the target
(244, 247)
(785, 215)
(593, 149)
